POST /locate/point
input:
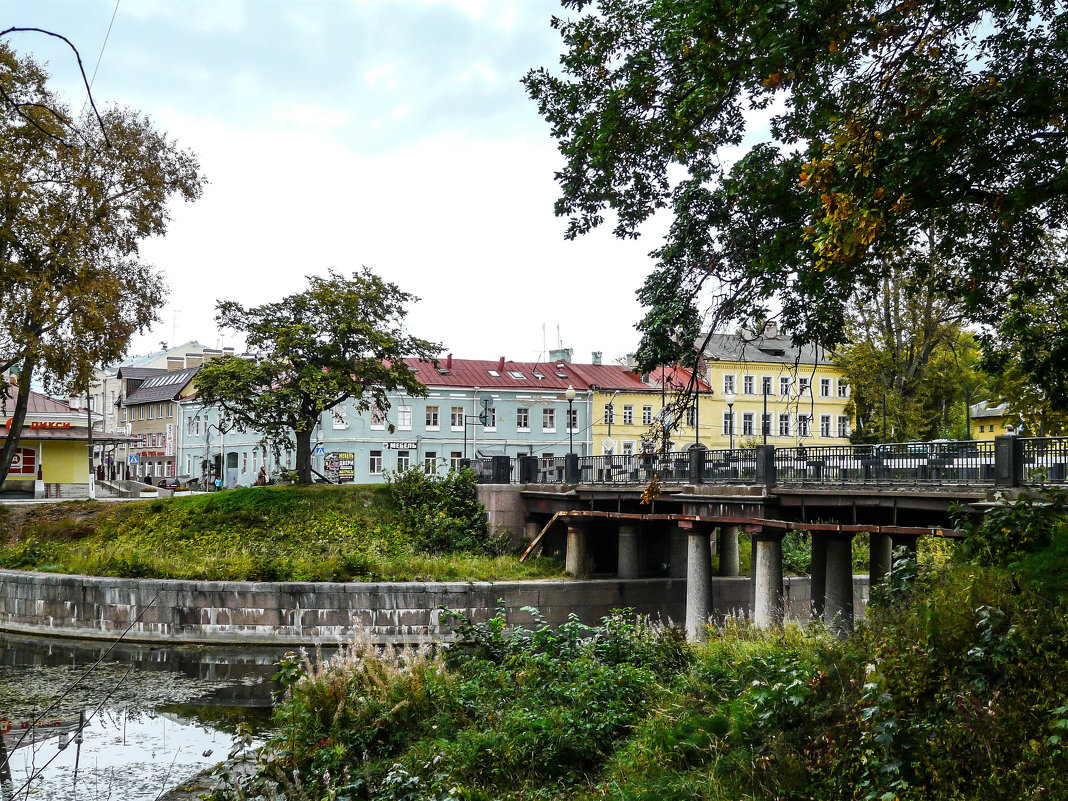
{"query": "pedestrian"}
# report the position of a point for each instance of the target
(261, 479)
(218, 482)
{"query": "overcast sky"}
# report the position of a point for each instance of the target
(387, 133)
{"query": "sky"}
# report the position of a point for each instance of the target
(392, 134)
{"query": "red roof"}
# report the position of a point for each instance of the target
(38, 404)
(554, 376)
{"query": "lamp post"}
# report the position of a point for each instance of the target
(765, 423)
(570, 395)
(730, 417)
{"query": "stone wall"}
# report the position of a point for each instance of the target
(279, 613)
(505, 509)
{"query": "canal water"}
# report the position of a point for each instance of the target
(154, 716)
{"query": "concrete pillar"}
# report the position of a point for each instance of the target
(880, 557)
(818, 571)
(838, 610)
(767, 581)
(531, 529)
(727, 546)
(698, 584)
(575, 560)
(628, 551)
(677, 539)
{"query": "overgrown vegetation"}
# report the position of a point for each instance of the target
(421, 528)
(954, 687)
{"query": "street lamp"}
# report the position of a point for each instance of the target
(570, 395)
(765, 423)
(730, 417)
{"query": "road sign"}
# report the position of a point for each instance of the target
(320, 450)
(134, 458)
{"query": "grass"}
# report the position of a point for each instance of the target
(284, 533)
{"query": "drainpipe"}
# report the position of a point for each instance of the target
(589, 424)
(474, 428)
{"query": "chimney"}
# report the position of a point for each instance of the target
(194, 359)
(211, 353)
(500, 365)
(597, 357)
(175, 363)
(448, 362)
(561, 355)
(771, 328)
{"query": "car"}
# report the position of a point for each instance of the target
(168, 483)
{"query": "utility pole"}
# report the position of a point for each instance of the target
(89, 418)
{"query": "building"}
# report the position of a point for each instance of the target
(148, 405)
(52, 458)
(766, 388)
(991, 421)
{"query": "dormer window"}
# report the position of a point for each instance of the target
(517, 374)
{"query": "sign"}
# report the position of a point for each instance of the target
(37, 425)
(169, 440)
(401, 445)
(608, 445)
(340, 467)
(24, 462)
(134, 459)
(319, 449)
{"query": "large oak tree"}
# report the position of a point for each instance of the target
(889, 119)
(340, 339)
(77, 197)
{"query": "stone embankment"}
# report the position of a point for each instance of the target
(282, 613)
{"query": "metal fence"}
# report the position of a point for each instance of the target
(927, 463)
(727, 467)
(1043, 460)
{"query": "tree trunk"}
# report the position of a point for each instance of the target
(304, 474)
(14, 431)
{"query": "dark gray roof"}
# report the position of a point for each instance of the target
(984, 409)
(161, 385)
(139, 372)
(768, 349)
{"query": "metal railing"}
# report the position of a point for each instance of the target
(928, 463)
(1043, 460)
(730, 467)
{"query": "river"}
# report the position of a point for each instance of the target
(155, 716)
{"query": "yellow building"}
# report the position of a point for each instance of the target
(775, 392)
(990, 421)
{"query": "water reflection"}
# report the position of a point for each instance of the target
(154, 716)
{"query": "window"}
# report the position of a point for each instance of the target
(691, 416)
(168, 469)
(457, 418)
(804, 386)
(454, 460)
(647, 415)
(196, 426)
(151, 412)
(727, 423)
(189, 426)
(188, 465)
(765, 424)
(765, 385)
(404, 418)
(339, 417)
(404, 460)
(430, 461)
(244, 462)
(522, 419)
(843, 425)
(548, 420)
(170, 410)
(161, 413)
(572, 419)
(825, 387)
(843, 388)
(376, 463)
(628, 414)
(784, 424)
(516, 374)
(255, 459)
(289, 459)
(609, 413)
(432, 418)
(749, 385)
(747, 424)
(378, 419)
(491, 419)
(784, 385)
(494, 373)
(804, 427)
(729, 386)
(140, 412)
(124, 410)
(981, 429)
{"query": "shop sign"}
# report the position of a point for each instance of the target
(39, 424)
(340, 467)
(169, 442)
(24, 462)
(410, 445)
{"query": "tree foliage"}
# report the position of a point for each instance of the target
(340, 339)
(889, 118)
(77, 197)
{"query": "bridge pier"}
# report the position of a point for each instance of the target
(768, 593)
(698, 584)
(677, 548)
(627, 566)
(818, 573)
(575, 560)
(880, 557)
(838, 603)
(727, 548)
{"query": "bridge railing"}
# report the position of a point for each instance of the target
(730, 467)
(1043, 460)
(898, 463)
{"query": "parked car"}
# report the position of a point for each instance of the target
(168, 483)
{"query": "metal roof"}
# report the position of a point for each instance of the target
(37, 404)
(764, 349)
(162, 385)
(984, 409)
(533, 376)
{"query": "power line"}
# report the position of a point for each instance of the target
(106, 37)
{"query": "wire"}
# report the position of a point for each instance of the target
(106, 37)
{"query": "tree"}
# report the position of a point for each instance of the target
(76, 199)
(340, 339)
(892, 117)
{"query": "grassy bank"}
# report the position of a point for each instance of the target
(955, 687)
(283, 533)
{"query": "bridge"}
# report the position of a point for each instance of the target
(647, 514)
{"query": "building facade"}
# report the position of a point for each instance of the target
(148, 411)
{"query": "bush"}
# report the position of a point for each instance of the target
(441, 513)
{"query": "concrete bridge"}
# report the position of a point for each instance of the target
(642, 515)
